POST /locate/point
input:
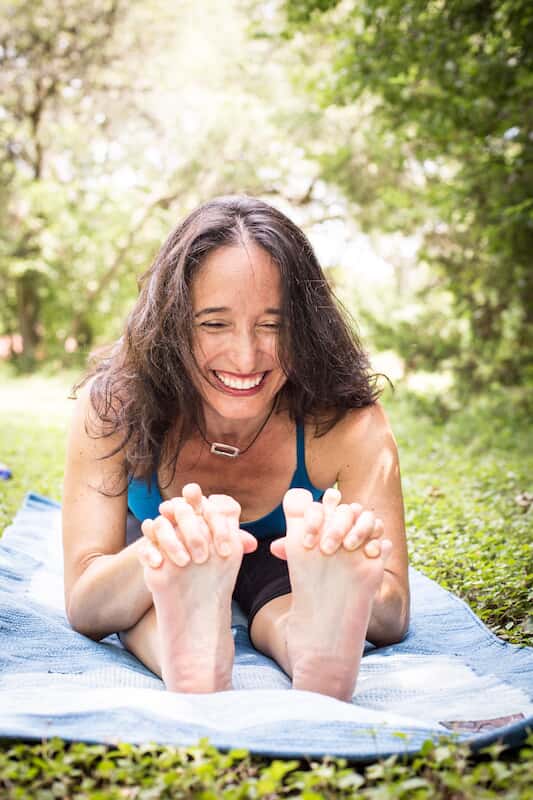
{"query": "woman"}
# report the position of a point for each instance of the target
(236, 377)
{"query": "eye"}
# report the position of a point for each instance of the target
(212, 325)
(274, 326)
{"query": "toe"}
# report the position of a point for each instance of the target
(226, 505)
(296, 502)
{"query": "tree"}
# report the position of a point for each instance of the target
(52, 58)
(119, 119)
(443, 91)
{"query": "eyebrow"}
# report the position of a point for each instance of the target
(222, 309)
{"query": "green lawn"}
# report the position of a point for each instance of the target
(467, 486)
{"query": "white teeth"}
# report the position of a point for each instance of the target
(240, 383)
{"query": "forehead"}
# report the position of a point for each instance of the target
(241, 273)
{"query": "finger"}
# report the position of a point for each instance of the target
(149, 555)
(378, 547)
(336, 529)
(248, 541)
(313, 522)
(192, 529)
(169, 543)
(386, 549)
(220, 530)
(278, 548)
(147, 527)
(361, 532)
(330, 501)
(166, 509)
(192, 493)
(356, 508)
(179, 504)
(379, 529)
(372, 548)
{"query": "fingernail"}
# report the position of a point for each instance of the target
(328, 546)
(309, 540)
(351, 542)
(155, 560)
(182, 558)
(198, 553)
(224, 549)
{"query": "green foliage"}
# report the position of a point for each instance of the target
(466, 479)
(117, 119)
(97, 772)
(440, 142)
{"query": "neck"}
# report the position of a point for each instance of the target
(238, 432)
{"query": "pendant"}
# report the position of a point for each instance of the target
(220, 449)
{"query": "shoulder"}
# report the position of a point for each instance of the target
(93, 415)
(362, 432)
(368, 425)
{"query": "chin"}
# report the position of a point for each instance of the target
(239, 408)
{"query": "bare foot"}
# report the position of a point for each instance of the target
(332, 599)
(192, 591)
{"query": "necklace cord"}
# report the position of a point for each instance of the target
(239, 452)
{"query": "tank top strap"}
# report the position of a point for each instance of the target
(300, 445)
(301, 478)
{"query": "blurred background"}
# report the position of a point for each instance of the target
(399, 136)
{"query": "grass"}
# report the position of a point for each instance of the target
(467, 485)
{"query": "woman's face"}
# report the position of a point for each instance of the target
(236, 299)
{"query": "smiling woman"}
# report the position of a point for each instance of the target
(201, 460)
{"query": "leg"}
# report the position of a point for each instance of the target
(268, 631)
(332, 598)
(142, 640)
(186, 637)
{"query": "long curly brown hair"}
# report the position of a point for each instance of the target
(142, 385)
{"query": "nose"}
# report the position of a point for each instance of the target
(245, 351)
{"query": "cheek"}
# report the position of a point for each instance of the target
(201, 347)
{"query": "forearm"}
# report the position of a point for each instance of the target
(389, 619)
(110, 595)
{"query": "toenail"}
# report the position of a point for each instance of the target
(224, 549)
(328, 546)
(309, 540)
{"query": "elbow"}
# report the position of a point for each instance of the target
(399, 630)
(391, 620)
(394, 633)
(78, 621)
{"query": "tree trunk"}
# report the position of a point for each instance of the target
(28, 305)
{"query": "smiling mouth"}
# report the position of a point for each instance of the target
(240, 384)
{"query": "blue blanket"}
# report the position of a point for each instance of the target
(450, 674)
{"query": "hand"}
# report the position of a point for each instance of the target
(333, 524)
(189, 523)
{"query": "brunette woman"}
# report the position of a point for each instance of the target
(218, 425)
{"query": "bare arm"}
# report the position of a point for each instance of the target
(370, 475)
(104, 583)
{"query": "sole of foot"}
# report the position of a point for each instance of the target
(193, 603)
(332, 598)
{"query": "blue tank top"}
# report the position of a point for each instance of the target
(144, 502)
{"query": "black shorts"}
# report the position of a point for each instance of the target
(261, 577)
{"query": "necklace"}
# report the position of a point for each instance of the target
(228, 450)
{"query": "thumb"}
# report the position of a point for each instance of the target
(249, 542)
(277, 548)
